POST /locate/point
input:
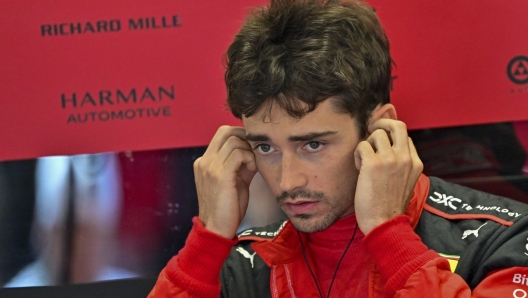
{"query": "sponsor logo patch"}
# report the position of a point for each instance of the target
(262, 233)
(472, 232)
(456, 203)
(452, 259)
(246, 254)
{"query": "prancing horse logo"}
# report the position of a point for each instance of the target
(474, 232)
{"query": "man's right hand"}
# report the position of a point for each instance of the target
(222, 176)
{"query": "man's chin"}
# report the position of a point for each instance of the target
(309, 223)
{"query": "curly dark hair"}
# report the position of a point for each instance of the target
(298, 53)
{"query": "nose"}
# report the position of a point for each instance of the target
(292, 176)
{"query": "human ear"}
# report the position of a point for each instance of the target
(387, 111)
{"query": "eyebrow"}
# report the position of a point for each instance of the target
(257, 138)
(311, 136)
(298, 138)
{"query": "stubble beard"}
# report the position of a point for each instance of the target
(305, 222)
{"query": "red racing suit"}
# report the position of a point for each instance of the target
(452, 242)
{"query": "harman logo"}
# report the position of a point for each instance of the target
(107, 105)
(518, 70)
(107, 97)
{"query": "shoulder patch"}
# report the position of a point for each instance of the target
(262, 233)
(458, 202)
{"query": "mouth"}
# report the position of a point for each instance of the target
(300, 207)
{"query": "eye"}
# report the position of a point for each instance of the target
(264, 149)
(314, 146)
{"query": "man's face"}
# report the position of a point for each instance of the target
(308, 163)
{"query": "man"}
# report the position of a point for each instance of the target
(310, 81)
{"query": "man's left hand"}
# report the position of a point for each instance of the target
(389, 167)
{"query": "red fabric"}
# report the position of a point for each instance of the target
(323, 250)
(397, 251)
(327, 247)
(513, 280)
(393, 247)
(197, 266)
